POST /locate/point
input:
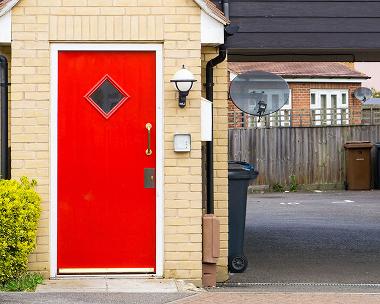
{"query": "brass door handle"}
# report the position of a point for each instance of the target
(148, 151)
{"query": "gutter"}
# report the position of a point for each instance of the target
(5, 172)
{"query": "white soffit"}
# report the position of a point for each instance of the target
(212, 31)
(6, 28)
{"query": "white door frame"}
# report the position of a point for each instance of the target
(55, 48)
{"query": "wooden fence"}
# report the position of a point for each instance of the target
(315, 155)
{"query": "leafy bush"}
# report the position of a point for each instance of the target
(293, 184)
(278, 187)
(25, 282)
(19, 214)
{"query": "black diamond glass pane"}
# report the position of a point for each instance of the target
(106, 96)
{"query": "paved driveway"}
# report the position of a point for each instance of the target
(89, 298)
(313, 237)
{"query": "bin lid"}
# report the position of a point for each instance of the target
(358, 144)
(241, 170)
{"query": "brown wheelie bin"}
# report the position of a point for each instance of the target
(358, 165)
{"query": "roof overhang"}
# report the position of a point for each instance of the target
(313, 79)
(8, 6)
(6, 21)
(326, 80)
(205, 8)
(212, 31)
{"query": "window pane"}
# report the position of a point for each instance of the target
(312, 98)
(344, 98)
(276, 101)
(106, 96)
(334, 101)
(324, 101)
(286, 97)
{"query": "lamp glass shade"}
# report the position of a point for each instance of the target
(183, 80)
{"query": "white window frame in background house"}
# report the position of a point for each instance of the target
(329, 115)
(281, 118)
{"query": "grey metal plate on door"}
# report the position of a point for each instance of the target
(149, 178)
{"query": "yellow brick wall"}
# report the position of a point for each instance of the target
(220, 152)
(175, 24)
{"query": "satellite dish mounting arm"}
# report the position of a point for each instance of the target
(261, 110)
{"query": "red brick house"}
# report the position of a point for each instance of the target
(321, 93)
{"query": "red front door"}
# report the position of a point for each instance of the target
(106, 192)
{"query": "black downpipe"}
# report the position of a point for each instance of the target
(210, 144)
(5, 174)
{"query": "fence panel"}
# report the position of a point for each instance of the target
(315, 155)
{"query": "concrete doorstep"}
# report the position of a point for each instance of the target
(116, 285)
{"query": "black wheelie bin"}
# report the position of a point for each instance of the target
(239, 175)
(377, 166)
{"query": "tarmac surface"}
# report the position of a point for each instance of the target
(325, 237)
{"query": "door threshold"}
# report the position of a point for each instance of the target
(105, 276)
(105, 270)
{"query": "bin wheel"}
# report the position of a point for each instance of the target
(238, 264)
(345, 186)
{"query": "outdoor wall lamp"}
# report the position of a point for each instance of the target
(183, 81)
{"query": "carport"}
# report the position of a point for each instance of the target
(303, 31)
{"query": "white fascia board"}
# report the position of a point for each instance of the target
(209, 12)
(6, 28)
(212, 31)
(326, 80)
(8, 7)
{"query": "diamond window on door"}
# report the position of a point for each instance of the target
(107, 96)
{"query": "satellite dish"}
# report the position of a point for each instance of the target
(259, 93)
(363, 94)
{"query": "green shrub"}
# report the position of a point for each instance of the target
(278, 187)
(19, 214)
(293, 184)
(25, 282)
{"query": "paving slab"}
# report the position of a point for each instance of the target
(115, 285)
(89, 298)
